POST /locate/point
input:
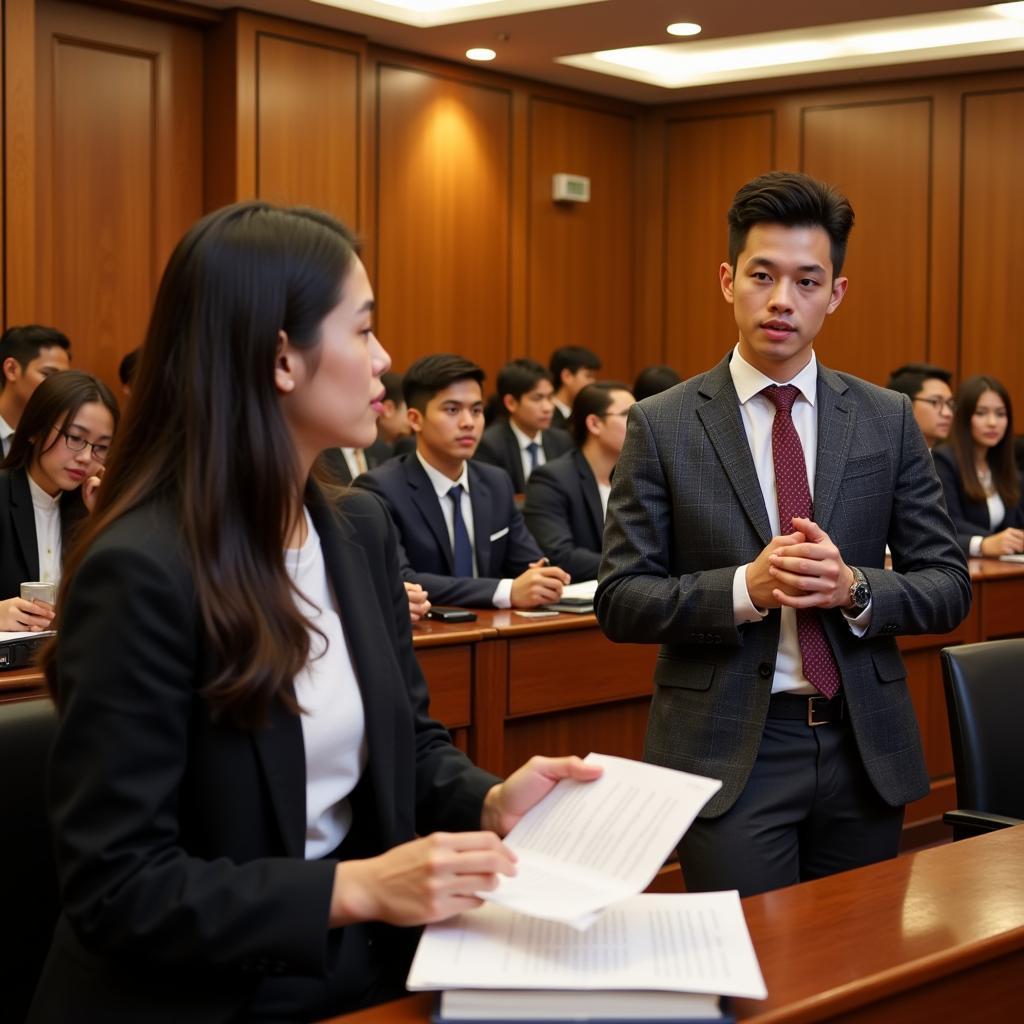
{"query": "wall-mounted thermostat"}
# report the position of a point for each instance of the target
(570, 188)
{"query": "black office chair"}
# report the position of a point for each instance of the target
(985, 699)
(28, 879)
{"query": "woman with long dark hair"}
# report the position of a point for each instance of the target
(979, 474)
(52, 469)
(245, 757)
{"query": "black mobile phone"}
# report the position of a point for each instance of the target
(451, 614)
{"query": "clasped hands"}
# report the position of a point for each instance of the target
(802, 569)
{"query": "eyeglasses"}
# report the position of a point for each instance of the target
(78, 444)
(938, 403)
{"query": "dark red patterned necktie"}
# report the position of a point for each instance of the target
(794, 497)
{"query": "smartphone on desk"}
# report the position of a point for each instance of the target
(442, 614)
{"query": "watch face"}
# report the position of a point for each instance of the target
(861, 595)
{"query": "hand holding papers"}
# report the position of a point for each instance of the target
(588, 845)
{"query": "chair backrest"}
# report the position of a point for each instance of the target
(28, 878)
(985, 699)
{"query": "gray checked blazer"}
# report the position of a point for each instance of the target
(686, 510)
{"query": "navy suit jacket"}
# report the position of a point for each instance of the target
(504, 547)
(500, 447)
(563, 512)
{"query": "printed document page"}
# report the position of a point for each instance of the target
(587, 845)
(686, 942)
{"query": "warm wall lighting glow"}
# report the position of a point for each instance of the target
(998, 28)
(428, 13)
(683, 28)
(480, 53)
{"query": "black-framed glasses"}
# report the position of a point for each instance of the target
(938, 403)
(78, 444)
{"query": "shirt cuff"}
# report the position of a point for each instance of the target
(743, 609)
(974, 549)
(858, 623)
(503, 594)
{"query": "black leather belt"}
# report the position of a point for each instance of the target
(816, 710)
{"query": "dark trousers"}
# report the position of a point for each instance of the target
(808, 810)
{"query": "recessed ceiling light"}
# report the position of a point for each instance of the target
(430, 13)
(480, 53)
(683, 28)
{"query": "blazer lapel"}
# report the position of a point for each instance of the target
(515, 459)
(591, 495)
(425, 499)
(480, 499)
(836, 416)
(24, 518)
(720, 415)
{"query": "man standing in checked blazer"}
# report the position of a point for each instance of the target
(746, 534)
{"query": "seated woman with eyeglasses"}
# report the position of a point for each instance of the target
(978, 472)
(46, 482)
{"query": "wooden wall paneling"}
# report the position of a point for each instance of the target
(519, 227)
(649, 239)
(119, 176)
(443, 212)
(706, 160)
(991, 253)
(884, 319)
(580, 262)
(229, 143)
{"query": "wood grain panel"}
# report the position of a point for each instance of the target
(580, 283)
(449, 675)
(443, 194)
(119, 171)
(1002, 609)
(707, 160)
(991, 257)
(883, 320)
(308, 125)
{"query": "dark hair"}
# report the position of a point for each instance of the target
(126, 368)
(652, 380)
(593, 400)
(392, 387)
(25, 344)
(55, 403)
(205, 431)
(794, 200)
(519, 376)
(910, 378)
(572, 358)
(1000, 457)
(431, 374)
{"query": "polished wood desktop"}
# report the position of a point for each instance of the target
(933, 934)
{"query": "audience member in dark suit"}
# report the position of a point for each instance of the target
(572, 367)
(28, 355)
(520, 441)
(245, 756)
(979, 473)
(462, 538)
(57, 454)
(652, 380)
(393, 423)
(567, 498)
(345, 464)
(930, 394)
(779, 672)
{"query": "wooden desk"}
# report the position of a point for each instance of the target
(934, 934)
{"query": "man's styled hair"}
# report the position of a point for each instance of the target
(910, 378)
(126, 368)
(519, 376)
(652, 380)
(24, 343)
(593, 400)
(392, 387)
(431, 374)
(795, 201)
(572, 358)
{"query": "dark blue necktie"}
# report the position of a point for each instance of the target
(532, 449)
(463, 549)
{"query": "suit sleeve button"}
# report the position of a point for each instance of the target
(764, 670)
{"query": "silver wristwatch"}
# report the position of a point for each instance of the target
(860, 592)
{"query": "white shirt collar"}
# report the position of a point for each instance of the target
(565, 410)
(441, 483)
(523, 440)
(40, 499)
(749, 381)
(6, 430)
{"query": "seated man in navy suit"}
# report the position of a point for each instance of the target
(566, 499)
(520, 441)
(462, 538)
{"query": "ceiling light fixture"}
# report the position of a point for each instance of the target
(481, 53)
(683, 28)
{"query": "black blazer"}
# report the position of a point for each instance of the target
(563, 512)
(333, 460)
(19, 547)
(499, 447)
(559, 421)
(970, 518)
(504, 547)
(180, 840)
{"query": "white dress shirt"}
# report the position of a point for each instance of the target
(6, 433)
(442, 484)
(758, 413)
(565, 410)
(605, 491)
(334, 725)
(47, 519)
(352, 457)
(524, 444)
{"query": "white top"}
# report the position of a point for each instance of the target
(502, 597)
(47, 516)
(333, 722)
(524, 443)
(604, 490)
(758, 413)
(6, 433)
(352, 459)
